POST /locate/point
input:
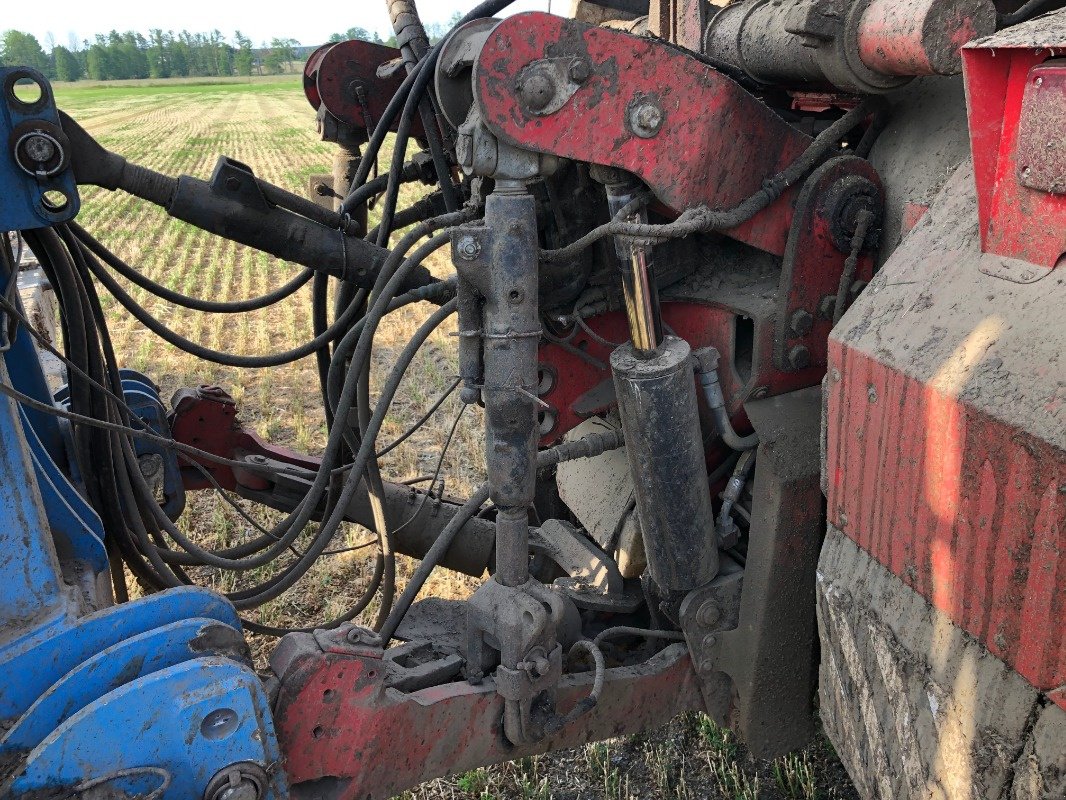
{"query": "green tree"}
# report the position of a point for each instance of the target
(98, 62)
(243, 58)
(280, 55)
(68, 67)
(19, 49)
(356, 33)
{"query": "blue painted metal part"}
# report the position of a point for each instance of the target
(41, 662)
(192, 719)
(155, 694)
(118, 665)
(142, 398)
(22, 203)
(77, 532)
(31, 596)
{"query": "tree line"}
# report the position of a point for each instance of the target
(160, 54)
(166, 54)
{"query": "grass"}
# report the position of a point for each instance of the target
(183, 128)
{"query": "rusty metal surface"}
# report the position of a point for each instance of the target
(346, 736)
(346, 78)
(946, 451)
(691, 157)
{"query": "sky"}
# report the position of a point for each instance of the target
(308, 23)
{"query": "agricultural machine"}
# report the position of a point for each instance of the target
(763, 305)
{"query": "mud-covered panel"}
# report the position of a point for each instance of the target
(914, 706)
(946, 437)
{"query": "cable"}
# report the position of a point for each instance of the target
(407, 434)
(863, 221)
(215, 356)
(145, 434)
(1023, 14)
(436, 472)
(587, 704)
(644, 633)
(586, 447)
(208, 306)
(703, 219)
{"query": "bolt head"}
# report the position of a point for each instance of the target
(799, 357)
(646, 118)
(1039, 81)
(827, 306)
(233, 183)
(709, 614)
(710, 641)
(537, 90)
(39, 148)
(580, 70)
(467, 248)
(801, 322)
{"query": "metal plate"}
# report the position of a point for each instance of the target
(1041, 153)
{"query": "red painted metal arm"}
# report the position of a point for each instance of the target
(714, 143)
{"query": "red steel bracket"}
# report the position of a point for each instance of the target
(818, 245)
(1016, 99)
(206, 418)
(706, 141)
(341, 727)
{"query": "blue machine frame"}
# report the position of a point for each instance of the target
(154, 698)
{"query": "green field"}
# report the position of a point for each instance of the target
(182, 127)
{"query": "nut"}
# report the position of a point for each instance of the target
(467, 248)
(580, 70)
(646, 118)
(801, 322)
(799, 357)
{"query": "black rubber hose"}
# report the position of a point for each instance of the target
(196, 304)
(215, 356)
(415, 83)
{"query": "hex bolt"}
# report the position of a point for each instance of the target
(799, 357)
(580, 70)
(646, 119)
(233, 183)
(468, 248)
(827, 306)
(709, 641)
(709, 614)
(801, 322)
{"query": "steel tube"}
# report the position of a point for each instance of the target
(638, 278)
